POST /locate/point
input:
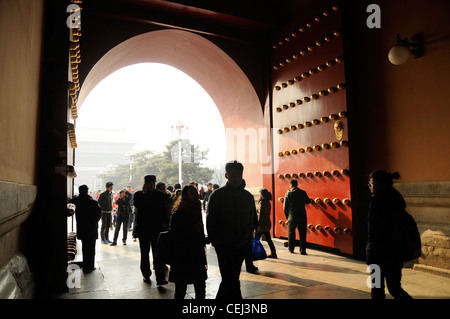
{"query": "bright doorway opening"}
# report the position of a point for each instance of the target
(138, 109)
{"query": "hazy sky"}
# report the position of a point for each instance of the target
(141, 103)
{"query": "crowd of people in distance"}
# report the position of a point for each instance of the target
(232, 221)
(123, 212)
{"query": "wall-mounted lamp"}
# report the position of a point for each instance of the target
(399, 53)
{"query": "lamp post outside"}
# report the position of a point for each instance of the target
(180, 127)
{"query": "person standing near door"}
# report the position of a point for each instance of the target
(105, 201)
(295, 212)
(87, 214)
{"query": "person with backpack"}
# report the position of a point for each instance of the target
(386, 208)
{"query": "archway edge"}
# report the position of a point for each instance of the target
(211, 67)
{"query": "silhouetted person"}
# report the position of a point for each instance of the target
(152, 217)
(263, 209)
(105, 201)
(230, 220)
(249, 265)
(295, 212)
(167, 195)
(206, 194)
(385, 203)
(123, 215)
(87, 214)
(186, 228)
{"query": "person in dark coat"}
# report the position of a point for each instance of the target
(385, 203)
(263, 209)
(230, 222)
(187, 232)
(206, 195)
(87, 214)
(152, 218)
(123, 215)
(294, 210)
(105, 201)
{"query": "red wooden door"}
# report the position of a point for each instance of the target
(310, 122)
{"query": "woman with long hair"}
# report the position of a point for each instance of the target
(189, 264)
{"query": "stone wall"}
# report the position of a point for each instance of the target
(429, 204)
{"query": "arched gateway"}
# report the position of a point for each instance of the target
(215, 71)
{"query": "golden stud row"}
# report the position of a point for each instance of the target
(313, 97)
(325, 39)
(318, 200)
(74, 85)
(323, 119)
(311, 72)
(343, 172)
(287, 38)
(72, 137)
(309, 149)
(319, 227)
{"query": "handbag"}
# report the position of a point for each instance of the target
(164, 248)
(258, 251)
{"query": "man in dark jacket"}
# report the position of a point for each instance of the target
(87, 214)
(152, 218)
(105, 201)
(123, 214)
(206, 195)
(230, 221)
(294, 210)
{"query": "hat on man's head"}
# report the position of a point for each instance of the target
(150, 178)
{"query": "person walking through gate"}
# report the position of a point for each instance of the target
(263, 209)
(105, 201)
(230, 221)
(385, 203)
(152, 218)
(206, 195)
(87, 214)
(123, 215)
(294, 210)
(186, 228)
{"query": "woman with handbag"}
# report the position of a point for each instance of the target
(189, 263)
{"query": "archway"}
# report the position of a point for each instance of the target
(213, 69)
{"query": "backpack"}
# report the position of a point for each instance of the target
(407, 237)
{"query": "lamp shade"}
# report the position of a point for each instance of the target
(398, 55)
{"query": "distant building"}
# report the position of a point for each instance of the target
(99, 153)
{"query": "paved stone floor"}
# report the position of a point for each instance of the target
(318, 275)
